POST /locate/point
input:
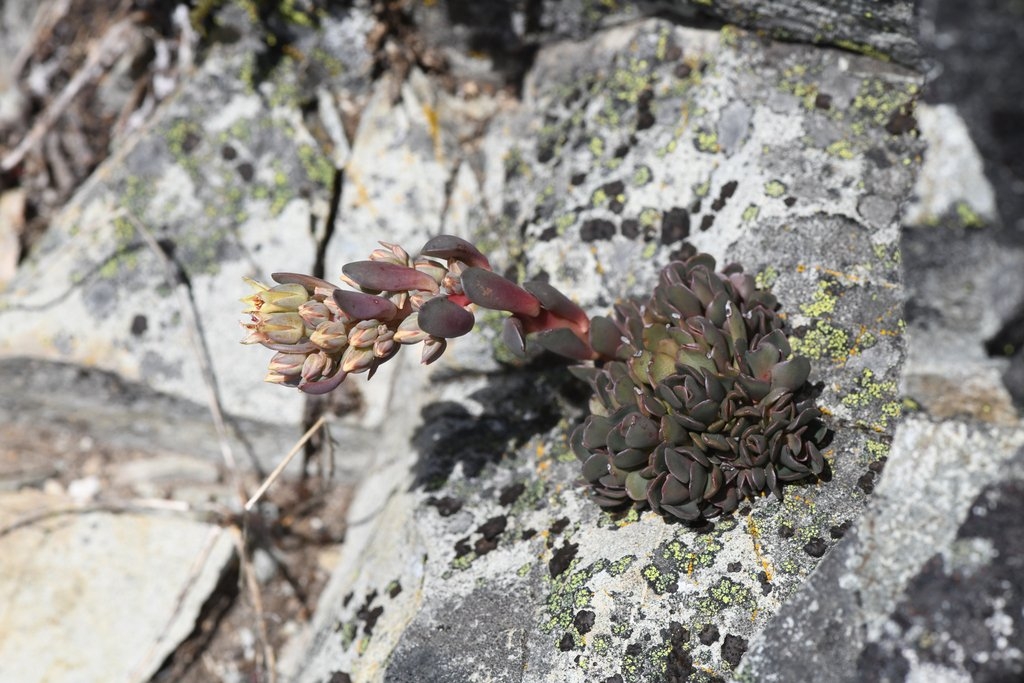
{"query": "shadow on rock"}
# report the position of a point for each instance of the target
(515, 406)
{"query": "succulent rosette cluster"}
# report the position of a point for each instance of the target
(323, 333)
(697, 407)
(698, 400)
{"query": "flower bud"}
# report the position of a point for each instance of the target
(314, 313)
(277, 299)
(357, 359)
(391, 253)
(287, 364)
(409, 331)
(330, 336)
(276, 328)
(385, 342)
(433, 347)
(364, 333)
(316, 366)
(432, 268)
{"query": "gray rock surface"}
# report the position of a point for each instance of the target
(80, 598)
(480, 558)
(472, 553)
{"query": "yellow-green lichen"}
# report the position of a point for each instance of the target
(766, 278)
(968, 217)
(823, 301)
(621, 565)
(750, 213)
(707, 141)
(774, 189)
(725, 593)
(877, 450)
(840, 149)
(642, 175)
(823, 340)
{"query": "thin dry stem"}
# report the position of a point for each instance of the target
(272, 477)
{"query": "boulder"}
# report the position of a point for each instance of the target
(477, 555)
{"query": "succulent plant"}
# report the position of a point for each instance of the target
(323, 333)
(697, 402)
(697, 406)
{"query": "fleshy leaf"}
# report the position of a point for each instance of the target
(558, 303)
(360, 306)
(441, 317)
(514, 336)
(452, 247)
(490, 290)
(391, 277)
(564, 342)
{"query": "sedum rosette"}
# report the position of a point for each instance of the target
(698, 407)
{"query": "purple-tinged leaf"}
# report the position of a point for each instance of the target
(390, 277)
(556, 302)
(324, 386)
(605, 336)
(441, 317)
(791, 375)
(564, 342)
(490, 290)
(308, 281)
(360, 306)
(452, 247)
(514, 336)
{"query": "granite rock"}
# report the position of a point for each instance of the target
(479, 557)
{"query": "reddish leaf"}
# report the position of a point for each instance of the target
(558, 303)
(441, 317)
(564, 342)
(360, 306)
(452, 247)
(391, 277)
(490, 290)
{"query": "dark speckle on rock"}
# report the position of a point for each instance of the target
(823, 101)
(528, 534)
(246, 171)
(596, 229)
(789, 201)
(816, 547)
(562, 558)
(347, 599)
(839, 530)
(675, 225)
(228, 153)
(511, 493)
(879, 157)
(683, 70)
(578, 178)
(621, 151)
(558, 526)
(493, 527)
(446, 506)
(707, 221)
(901, 122)
(139, 325)
(733, 567)
(394, 589)
(709, 634)
(584, 621)
(766, 584)
(548, 234)
(867, 482)
(727, 191)
(566, 643)
(630, 228)
(733, 649)
(785, 531)
(462, 547)
(679, 663)
(339, 677)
